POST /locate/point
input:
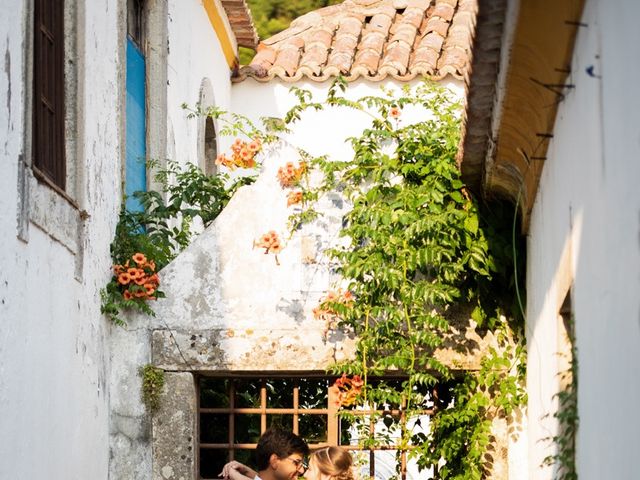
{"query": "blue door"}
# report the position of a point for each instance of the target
(136, 137)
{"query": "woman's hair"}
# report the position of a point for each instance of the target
(334, 461)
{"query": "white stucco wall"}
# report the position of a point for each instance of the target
(322, 132)
(585, 230)
(53, 340)
(194, 58)
(195, 54)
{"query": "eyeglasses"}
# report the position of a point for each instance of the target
(299, 463)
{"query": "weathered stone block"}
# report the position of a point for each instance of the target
(174, 429)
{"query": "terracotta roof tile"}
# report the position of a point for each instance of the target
(371, 39)
(444, 11)
(423, 4)
(241, 22)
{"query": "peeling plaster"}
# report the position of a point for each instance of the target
(7, 71)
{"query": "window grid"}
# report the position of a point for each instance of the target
(372, 428)
(333, 425)
(265, 411)
(48, 87)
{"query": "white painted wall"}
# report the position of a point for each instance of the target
(53, 340)
(585, 229)
(195, 58)
(195, 54)
(322, 132)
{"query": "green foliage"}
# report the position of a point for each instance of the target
(152, 385)
(564, 459)
(163, 228)
(419, 247)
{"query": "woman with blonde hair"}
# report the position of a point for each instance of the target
(327, 463)
(330, 463)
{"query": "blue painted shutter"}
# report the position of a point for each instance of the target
(135, 171)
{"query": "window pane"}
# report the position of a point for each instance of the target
(248, 393)
(212, 461)
(284, 422)
(214, 393)
(387, 394)
(244, 456)
(214, 428)
(313, 428)
(247, 428)
(354, 430)
(386, 463)
(313, 392)
(347, 431)
(210, 147)
(280, 393)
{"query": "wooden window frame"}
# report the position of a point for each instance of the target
(333, 421)
(330, 412)
(136, 25)
(48, 136)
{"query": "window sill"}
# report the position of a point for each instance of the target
(42, 178)
(54, 211)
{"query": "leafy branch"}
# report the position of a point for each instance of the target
(418, 246)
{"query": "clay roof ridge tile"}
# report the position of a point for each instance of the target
(396, 58)
(316, 51)
(310, 70)
(443, 11)
(413, 17)
(422, 4)
(453, 3)
(314, 58)
(366, 61)
(373, 40)
(465, 19)
(379, 23)
(285, 35)
(431, 40)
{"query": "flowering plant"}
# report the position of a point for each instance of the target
(347, 390)
(270, 242)
(394, 113)
(242, 154)
(134, 282)
(330, 307)
(290, 175)
(146, 241)
(137, 280)
(294, 197)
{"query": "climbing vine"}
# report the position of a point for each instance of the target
(420, 257)
(564, 442)
(420, 251)
(152, 385)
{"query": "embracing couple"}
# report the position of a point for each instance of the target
(280, 455)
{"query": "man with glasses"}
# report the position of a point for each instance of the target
(280, 455)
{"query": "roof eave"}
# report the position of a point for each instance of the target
(241, 22)
(509, 125)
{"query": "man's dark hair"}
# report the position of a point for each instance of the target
(281, 442)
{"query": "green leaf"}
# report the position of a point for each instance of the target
(471, 224)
